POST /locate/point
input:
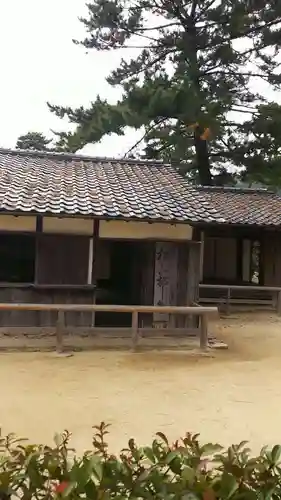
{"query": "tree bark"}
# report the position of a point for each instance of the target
(202, 158)
(201, 147)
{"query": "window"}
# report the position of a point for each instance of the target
(255, 262)
(251, 261)
(17, 258)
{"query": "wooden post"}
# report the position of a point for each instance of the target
(90, 261)
(146, 263)
(228, 301)
(59, 331)
(193, 278)
(135, 326)
(279, 303)
(202, 239)
(204, 332)
(93, 253)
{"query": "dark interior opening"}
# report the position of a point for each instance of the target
(120, 288)
(255, 264)
(235, 261)
(17, 258)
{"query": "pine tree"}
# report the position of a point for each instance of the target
(35, 141)
(193, 84)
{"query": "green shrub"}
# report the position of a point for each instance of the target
(183, 470)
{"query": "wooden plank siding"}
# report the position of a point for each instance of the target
(61, 275)
(272, 258)
(241, 256)
(220, 258)
(165, 279)
(146, 256)
(43, 296)
(62, 259)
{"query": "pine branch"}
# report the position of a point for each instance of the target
(240, 110)
(249, 74)
(158, 28)
(152, 127)
(188, 72)
(193, 9)
(207, 6)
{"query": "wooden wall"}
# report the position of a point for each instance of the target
(221, 255)
(271, 246)
(145, 263)
(220, 259)
(44, 296)
(62, 259)
(165, 277)
(176, 278)
(189, 263)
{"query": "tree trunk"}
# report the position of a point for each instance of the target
(202, 158)
(201, 147)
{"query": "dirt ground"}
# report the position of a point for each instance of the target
(230, 396)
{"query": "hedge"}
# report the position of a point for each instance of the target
(186, 470)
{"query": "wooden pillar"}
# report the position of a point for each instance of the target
(246, 260)
(146, 254)
(90, 261)
(193, 272)
(60, 331)
(193, 278)
(95, 240)
(135, 324)
(202, 241)
(278, 305)
(204, 332)
(92, 268)
(240, 256)
(182, 277)
(39, 225)
(262, 258)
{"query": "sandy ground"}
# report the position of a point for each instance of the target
(233, 395)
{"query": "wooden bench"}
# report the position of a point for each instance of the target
(242, 294)
(202, 312)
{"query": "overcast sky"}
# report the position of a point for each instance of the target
(40, 63)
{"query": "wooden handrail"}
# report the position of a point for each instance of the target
(108, 307)
(204, 312)
(242, 287)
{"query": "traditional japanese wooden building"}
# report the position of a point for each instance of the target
(75, 229)
(245, 249)
(78, 229)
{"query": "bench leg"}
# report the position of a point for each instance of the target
(59, 331)
(135, 327)
(227, 305)
(204, 332)
(278, 305)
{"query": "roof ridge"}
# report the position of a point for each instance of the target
(75, 156)
(234, 189)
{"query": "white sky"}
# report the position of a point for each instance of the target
(40, 63)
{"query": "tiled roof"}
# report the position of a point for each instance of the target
(128, 189)
(255, 207)
(71, 184)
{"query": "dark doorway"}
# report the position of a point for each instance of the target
(120, 287)
(17, 257)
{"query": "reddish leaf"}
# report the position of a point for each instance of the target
(61, 487)
(209, 495)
